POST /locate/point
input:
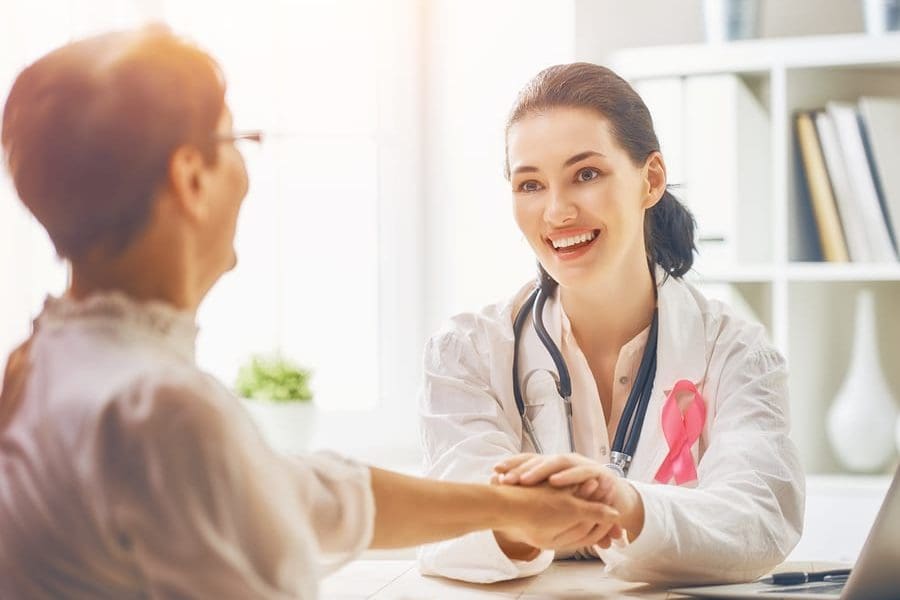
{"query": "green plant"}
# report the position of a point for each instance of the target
(273, 378)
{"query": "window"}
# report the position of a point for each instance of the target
(318, 76)
(329, 264)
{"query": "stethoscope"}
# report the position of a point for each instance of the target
(629, 430)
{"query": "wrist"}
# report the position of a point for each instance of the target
(515, 549)
(631, 509)
(510, 514)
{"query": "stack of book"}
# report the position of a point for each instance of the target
(850, 155)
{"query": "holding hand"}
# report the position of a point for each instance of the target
(588, 478)
(546, 517)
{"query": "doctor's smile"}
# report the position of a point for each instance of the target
(569, 244)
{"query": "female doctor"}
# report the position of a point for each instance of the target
(610, 371)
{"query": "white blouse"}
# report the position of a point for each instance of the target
(126, 472)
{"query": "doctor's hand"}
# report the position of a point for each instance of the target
(594, 482)
(544, 517)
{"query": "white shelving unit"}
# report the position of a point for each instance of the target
(807, 306)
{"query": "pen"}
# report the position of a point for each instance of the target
(798, 577)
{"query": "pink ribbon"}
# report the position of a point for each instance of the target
(681, 431)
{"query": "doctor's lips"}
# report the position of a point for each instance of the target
(568, 242)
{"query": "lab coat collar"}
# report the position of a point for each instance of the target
(681, 354)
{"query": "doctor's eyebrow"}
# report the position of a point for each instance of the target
(568, 163)
(581, 156)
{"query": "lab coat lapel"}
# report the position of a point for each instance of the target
(681, 354)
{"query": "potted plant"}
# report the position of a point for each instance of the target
(276, 392)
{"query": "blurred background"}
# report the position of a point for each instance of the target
(378, 209)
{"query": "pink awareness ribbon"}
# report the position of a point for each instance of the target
(681, 431)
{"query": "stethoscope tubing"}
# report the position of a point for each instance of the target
(631, 422)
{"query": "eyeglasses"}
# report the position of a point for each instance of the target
(252, 136)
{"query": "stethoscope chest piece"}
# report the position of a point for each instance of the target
(546, 410)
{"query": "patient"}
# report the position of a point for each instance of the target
(125, 471)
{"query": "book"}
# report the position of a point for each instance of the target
(881, 118)
(854, 230)
(824, 208)
(862, 186)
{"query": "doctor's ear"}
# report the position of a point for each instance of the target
(187, 181)
(654, 179)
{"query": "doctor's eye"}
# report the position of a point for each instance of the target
(529, 186)
(587, 174)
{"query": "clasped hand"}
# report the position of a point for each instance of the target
(582, 477)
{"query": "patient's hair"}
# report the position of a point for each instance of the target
(668, 226)
(89, 129)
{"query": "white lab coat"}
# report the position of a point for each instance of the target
(741, 517)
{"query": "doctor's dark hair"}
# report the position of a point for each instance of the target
(89, 129)
(668, 225)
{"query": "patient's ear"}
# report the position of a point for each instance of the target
(188, 178)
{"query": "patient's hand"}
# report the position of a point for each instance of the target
(592, 480)
(553, 518)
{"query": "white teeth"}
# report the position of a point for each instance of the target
(575, 239)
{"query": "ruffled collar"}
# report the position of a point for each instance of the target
(151, 320)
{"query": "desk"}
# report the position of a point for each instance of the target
(390, 579)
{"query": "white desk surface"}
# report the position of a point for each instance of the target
(384, 579)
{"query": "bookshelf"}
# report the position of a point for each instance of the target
(807, 306)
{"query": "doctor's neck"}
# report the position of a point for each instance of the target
(606, 317)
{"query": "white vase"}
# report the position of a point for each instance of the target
(287, 426)
(898, 435)
(861, 419)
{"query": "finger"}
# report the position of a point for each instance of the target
(570, 537)
(577, 473)
(582, 542)
(587, 489)
(597, 533)
(495, 479)
(606, 492)
(514, 475)
(601, 513)
(616, 533)
(539, 472)
(513, 461)
(602, 534)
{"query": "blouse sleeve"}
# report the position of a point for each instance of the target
(206, 509)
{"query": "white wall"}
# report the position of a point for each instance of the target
(478, 55)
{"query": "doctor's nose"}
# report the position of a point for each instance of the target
(559, 209)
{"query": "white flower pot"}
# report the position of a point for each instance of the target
(287, 426)
(862, 418)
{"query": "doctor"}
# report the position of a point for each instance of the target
(610, 371)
